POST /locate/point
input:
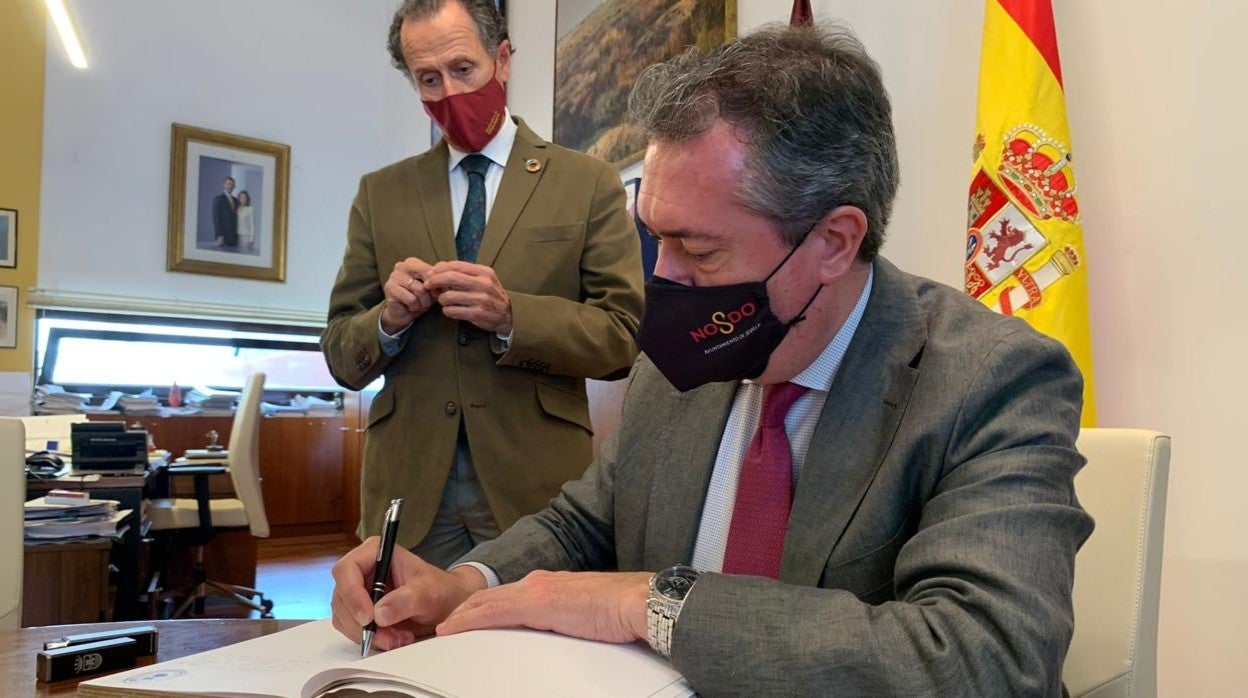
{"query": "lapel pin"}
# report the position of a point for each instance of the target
(532, 165)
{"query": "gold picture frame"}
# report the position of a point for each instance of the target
(10, 317)
(602, 46)
(227, 205)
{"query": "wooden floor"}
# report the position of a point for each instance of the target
(295, 574)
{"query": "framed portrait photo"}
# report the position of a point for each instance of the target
(227, 205)
(8, 237)
(8, 317)
(602, 46)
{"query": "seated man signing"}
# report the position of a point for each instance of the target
(831, 476)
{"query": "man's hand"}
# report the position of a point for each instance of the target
(604, 606)
(471, 292)
(420, 595)
(407, 297)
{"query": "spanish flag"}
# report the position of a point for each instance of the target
(1024, 241)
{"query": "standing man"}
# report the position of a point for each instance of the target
(225, 216)
(485, 279)
(831, 477)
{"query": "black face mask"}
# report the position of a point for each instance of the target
(706, 334)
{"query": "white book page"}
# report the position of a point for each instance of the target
(273, 665)
(518, 664)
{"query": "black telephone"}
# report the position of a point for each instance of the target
(44, 463)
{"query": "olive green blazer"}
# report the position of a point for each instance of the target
(564, 247)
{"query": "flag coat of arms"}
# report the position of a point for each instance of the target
(1024, 241)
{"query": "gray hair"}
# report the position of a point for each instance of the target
(811, 108)
(491, 26)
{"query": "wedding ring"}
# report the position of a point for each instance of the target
(408, 285)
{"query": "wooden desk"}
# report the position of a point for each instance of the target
(128, 491)
(178, 638)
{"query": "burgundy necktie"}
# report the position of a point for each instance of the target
(764, 491)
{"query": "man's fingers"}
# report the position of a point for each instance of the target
(500, 607)
(347, 626)
(459, 281)
(349, 586)
(459, 266)
(396, 606)
(415, 267)
(416, 601)
(472, 299)
(387, 639)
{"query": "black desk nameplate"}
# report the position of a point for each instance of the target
(77, 661)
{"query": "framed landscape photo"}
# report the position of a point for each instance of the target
(8, 317)
(601, 47)
(227, 205)
(8, 237)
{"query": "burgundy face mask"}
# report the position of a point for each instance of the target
(470, 119)
(707, 334)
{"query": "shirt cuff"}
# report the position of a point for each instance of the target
(390, 343)
(504, 340)
(491, 577)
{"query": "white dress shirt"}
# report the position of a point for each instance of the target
(497, 150)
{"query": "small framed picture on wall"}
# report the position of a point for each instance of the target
(8, 237)
(8, 317)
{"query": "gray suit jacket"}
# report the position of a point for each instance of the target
(932, 539)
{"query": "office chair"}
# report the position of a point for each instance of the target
(1118, 571)
(12, 499)
(196, 521)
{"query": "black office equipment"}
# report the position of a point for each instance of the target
(108, 447)
(145, 637)
(77, 661)
(44, 463)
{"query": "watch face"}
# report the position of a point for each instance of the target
(674, 583)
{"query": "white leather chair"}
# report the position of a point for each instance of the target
(1118, 571)
(12, 459)
(197, 521)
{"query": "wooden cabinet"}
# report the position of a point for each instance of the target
(66, 584)
(301, 460)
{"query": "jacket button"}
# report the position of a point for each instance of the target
(463, 339)
(451, 408)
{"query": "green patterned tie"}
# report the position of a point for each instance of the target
(472, 222)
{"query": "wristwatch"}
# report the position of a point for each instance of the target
(668, 590)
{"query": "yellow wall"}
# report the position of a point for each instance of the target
(22, 47)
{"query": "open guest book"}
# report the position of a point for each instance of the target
(314, 661)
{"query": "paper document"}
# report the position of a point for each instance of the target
(315, 661)
(15, 393)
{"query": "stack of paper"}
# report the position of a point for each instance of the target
(302, 404)
(211, 401)
(144, 404)
(52, 399)
(60, 523)
(107, 406)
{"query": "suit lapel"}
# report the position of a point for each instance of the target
(692, 433)
(514, 191)
(432, 185)
(865, 405)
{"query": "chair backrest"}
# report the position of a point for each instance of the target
(244, 452)
(1118, 571)
(12, 471)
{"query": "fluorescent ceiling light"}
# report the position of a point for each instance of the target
(69, 37)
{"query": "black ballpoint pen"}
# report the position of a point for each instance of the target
(385, 552)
